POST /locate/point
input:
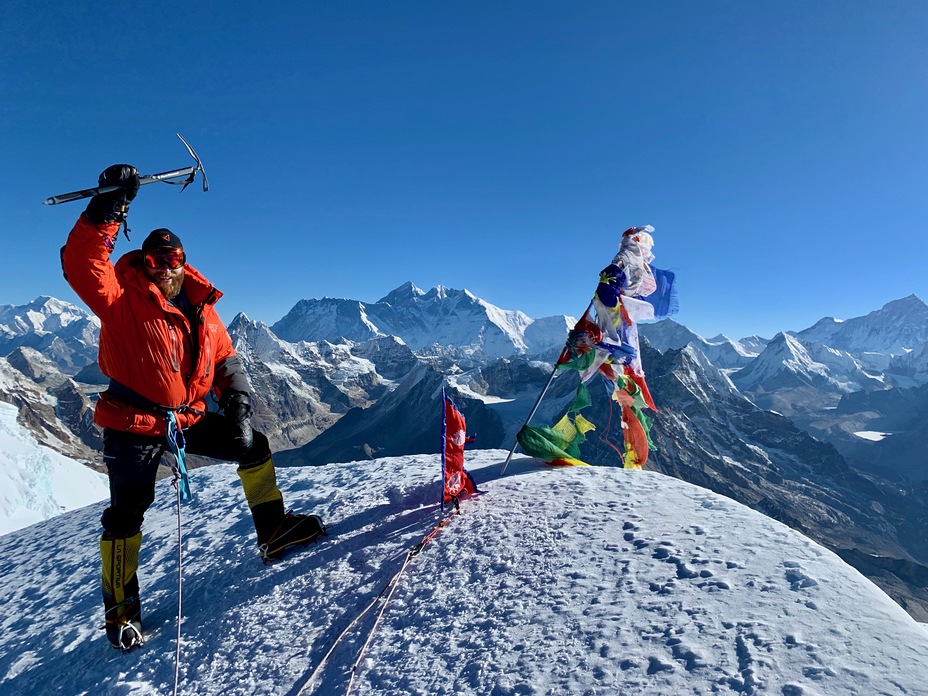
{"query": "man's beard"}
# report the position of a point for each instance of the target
(170, 287)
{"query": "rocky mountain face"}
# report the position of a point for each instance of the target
(407, 421)
(823, 429)
(54, 409)
(894, 425)
(866, 375)
(856, 384)
(303, 388)
(45, 344)
(722, 351)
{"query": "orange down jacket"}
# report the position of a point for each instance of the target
(146, 343)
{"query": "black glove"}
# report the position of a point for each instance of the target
(237, 409)
(114, 206)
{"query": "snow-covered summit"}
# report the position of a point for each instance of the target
(440, 317)
(899, 326)
(823, 330)
(626, 582)
(722, 351)
(403, 294)
(63, 332)
(43, 314)
(789, 361)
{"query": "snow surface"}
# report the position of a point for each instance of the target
(463, 384)
(36, 482)
(872, 435)
(553, 581)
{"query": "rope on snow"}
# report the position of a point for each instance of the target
(182, 486)
(179, 590)
(388, 590)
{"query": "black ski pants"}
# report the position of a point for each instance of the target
(132, 463)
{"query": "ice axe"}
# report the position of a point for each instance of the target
(189, 172)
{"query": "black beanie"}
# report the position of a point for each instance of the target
(162, 238)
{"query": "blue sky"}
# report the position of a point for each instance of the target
(779, 149)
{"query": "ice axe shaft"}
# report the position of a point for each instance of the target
(147, 179)
(188, 172)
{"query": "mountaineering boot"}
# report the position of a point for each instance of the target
(264, 498)
(276, 530)
(120, 559)
(293, 529)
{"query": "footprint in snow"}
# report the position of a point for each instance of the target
(797, 579)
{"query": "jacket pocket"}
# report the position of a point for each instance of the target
(112, 413)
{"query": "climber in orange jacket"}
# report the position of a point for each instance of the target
(164, 349)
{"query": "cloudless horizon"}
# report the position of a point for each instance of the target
(778, 150)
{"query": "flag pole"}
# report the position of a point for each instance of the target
(444, 445)
(534, 408)
(538, 401)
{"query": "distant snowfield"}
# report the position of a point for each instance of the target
(872, 435)
(36, 482)
(466, 390)
(553, 581)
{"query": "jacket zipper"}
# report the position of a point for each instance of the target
(175, 354)
(205, 347)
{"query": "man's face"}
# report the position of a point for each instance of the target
(158, 268)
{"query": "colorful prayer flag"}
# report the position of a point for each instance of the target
(604, 342)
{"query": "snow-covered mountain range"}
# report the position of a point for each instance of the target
(552, 581)
(64, 333)
(721, 351)
(755, 419)
(896, 328)
(823, 377)
(441, 318)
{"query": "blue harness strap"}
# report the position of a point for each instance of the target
(177, 443)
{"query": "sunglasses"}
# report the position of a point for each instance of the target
(173, 259)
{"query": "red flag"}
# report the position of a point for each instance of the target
(455, 479)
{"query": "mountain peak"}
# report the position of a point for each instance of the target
(404, 293)
(823, 330)
(43, 309)
(48, 301)
(899, 326)
(786, 348)
(442, 318)
(909, 303)
(721, 350)
(440, 292)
